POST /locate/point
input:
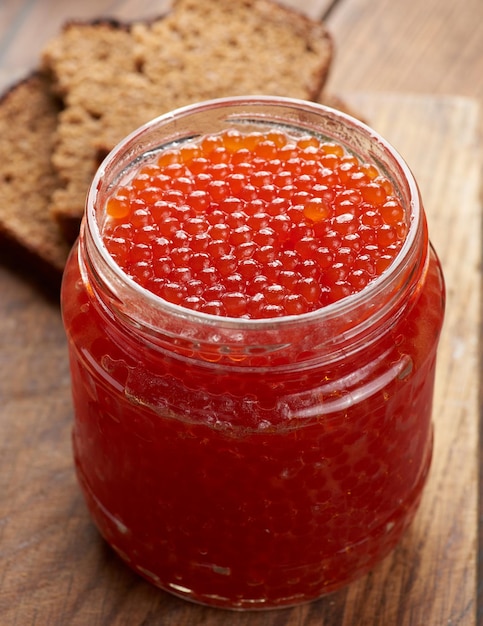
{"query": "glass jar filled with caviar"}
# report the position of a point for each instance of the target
(253, 310)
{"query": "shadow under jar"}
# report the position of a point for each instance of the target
(252, 463)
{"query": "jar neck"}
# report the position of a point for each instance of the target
(346, 325)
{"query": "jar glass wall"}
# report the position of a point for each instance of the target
(252, 463)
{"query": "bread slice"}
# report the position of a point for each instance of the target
(113, 77)
(40, 137)
(29, 237)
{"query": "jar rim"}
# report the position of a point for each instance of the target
(246, 107)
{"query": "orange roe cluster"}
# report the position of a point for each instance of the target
(255, 225)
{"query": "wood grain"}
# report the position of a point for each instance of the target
(430, 47)
(52, 559)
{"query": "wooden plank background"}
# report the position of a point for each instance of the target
(415, 71)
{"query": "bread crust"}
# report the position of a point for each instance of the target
(29, 237)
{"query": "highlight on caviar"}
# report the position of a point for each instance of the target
(255, 225)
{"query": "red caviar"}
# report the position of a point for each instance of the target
(234, 205)
(231, 459)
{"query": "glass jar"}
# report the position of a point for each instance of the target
(248, 463)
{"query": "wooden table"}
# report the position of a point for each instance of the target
(415, 71)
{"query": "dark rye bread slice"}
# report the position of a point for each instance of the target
(29, 237)
(114, 77)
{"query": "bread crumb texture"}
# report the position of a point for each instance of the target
(27, 177)
(113, 77)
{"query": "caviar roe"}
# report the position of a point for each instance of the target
(255, 225)
(252, 463)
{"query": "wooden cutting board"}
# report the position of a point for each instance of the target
(54, 569)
